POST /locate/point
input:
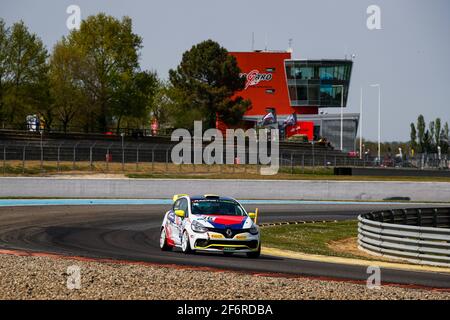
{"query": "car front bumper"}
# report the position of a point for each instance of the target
(214, 241)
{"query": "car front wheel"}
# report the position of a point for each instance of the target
(185, 245)
(255, 254)
(163, 241)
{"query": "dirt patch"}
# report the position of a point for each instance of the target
(350, 246)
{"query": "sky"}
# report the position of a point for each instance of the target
(409, 56)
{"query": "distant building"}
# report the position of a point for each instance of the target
(275, 82)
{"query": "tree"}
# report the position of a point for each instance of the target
(208, 78)
(421, 131)
(26, 68)
(42, 100)
(66, 65)
(444, 139)
(437, 134)
(110, 50)
(4, 48)
(134, 97)
(163, 104)
(432, 128)
(427, 142)
(413, 137)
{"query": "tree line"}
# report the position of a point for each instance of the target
(423, 139)
(92, 81)
(431, 139)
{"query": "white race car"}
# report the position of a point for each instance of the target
(210, 223)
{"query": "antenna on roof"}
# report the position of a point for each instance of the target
(290, 49)
(253, 41)
(265, 42)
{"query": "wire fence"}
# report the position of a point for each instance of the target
(45, 156)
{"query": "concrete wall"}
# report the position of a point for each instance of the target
(242, 189)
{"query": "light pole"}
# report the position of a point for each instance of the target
(342, 113)
(42, 152)
(123, 152)
(379, 119)
(342, 118)
(360, 123)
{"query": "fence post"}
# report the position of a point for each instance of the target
(153, 159)
(42, 155)
(292, 163)
(313, 158)
(107, 157)
(137, 158)
(303, 163)
(4, 160)
(57, 163)
(90, 157)
(74, 155)
(247, 156)
(123, 156)
(23, 159)
(73, 158)
(167, 160)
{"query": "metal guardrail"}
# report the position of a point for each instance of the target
(416, 235)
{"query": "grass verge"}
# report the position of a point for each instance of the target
(312, 238)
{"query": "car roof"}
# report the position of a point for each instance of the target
(204, 197)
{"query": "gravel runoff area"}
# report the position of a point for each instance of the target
(37, 277)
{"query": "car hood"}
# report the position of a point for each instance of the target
(224, 221)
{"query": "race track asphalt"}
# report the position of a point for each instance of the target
(131, 232)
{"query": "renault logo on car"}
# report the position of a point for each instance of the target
(229, 233)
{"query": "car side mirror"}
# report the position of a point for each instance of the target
(254, 215)
(180, 213)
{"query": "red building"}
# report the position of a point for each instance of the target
(275, 82)
(266, 84)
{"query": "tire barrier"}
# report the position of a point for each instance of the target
(420, 236)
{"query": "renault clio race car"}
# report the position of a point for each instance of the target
(210, 223)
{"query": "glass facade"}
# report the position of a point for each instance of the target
(331, 129)
(318, 83)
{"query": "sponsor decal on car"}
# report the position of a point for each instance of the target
(215, 236)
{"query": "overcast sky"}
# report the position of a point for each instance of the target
(409, 56)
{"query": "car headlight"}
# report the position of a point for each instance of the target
(198, 227)
(254, 229)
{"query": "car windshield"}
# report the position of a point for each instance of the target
(216, 207)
